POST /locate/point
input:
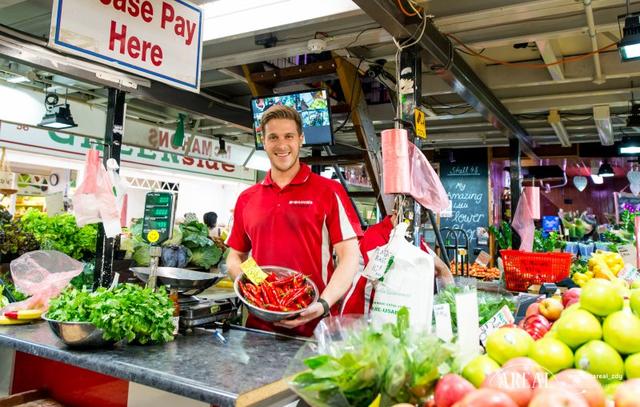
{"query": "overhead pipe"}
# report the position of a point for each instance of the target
(599, 78)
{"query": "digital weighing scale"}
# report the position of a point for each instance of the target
(157, 227)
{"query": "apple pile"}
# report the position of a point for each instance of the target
(590, 346)
(541, 315)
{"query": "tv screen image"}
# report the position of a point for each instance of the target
(314, 110)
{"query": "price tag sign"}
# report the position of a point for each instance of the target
(483, 259)
(468, 325)
(629, 273)
(442, 314)
(380, 261)
(502, 317)
(253, 272)
(628, 253)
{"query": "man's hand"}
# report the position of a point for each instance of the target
(314, 311)
(234, 259)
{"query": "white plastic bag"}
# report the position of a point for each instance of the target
(94, 200)
(408, 283)
(120, 189)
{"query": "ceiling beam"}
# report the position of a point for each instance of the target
(355, 39)
(550, 57)
(459, 75)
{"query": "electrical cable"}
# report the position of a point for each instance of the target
(404, 11)
(526, 65)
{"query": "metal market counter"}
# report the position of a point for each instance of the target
(198, 366)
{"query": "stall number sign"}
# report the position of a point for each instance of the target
(157, 225)
(157, 39)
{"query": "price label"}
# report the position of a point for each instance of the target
(421, 123)
(483, 259)
(442, 314)
(380, 261)
(628, 254)
(253, 272)
(468, 325)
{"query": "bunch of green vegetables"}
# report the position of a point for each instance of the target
(9, 289)
(399, 365)
(126, 312)
(488, 303)
(60, 232)
(503, 235)
(551, 243)
(14, 240)
(578, 266)
(195, 237)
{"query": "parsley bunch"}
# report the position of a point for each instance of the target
(128, 312)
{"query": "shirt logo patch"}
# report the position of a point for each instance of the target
(301, 203)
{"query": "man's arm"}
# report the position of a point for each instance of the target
(347, 252)
(234, 259)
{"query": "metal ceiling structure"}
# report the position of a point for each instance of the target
(533, 56)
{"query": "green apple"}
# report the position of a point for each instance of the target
(632, 366)
(635, 284)
(552, 354)
(507, 343)
(578, 327)
(479, 367)
(601, 360)
(622, 331)
(573, 307)
(634, 301)
(601, 297)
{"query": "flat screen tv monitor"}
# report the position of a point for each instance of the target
(314, 109)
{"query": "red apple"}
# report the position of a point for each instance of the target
(585, 384)
(486, 398)
(533, 309)
(571, 296)
(628, 393)
(529, 368)
(557, 397)
(515, 385)
(551, 308)
(537, 326)
(450, 389)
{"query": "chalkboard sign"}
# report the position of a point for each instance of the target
(466, 181)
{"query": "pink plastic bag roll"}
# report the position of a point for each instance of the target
(533, 198)
(396, 168)
(523, 224)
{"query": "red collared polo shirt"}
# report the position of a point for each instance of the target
(294, 227)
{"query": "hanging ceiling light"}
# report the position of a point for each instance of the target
(629, 45)
(178, 137)
(606, 171)
(222, 146)
(56, 116)
(629, 145)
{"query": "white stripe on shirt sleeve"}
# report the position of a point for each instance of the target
(346, 229)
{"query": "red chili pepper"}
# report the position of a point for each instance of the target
(271, 277)
(284, 281)
(297, 294)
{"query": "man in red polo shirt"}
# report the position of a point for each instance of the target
(296, 219)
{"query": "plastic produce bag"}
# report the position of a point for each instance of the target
(407, 283)
(42, 275)
(353, 363)
(120, 188)
(94, 200)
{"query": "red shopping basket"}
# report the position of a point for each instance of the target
(522, 269)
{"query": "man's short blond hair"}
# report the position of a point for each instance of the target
(280, 112)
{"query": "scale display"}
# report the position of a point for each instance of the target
(159, 212)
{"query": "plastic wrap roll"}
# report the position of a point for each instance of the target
(396, 168)
(533, 199)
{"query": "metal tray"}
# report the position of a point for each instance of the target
(180, 279)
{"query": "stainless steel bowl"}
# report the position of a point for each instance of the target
(78, 334)
(274, 316)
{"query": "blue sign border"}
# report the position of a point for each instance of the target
(137, 68)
